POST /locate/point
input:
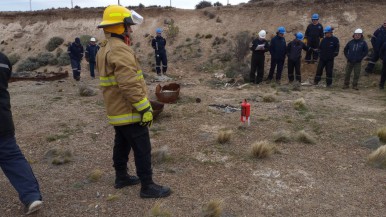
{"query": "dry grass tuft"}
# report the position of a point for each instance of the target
(300, 104)
(224, 136)
(112, 197)
(95, 175)
(157, 211)
(269, 98)
(160, 155)
(263, 149)
(378, 158)
(85, 90)
(381, 133)
(282, 136)
(212, 209)
(304, 137)
(58, 156)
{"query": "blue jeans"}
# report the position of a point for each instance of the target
(18, 170)
(92, 67)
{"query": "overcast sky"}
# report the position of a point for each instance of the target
(24, 5)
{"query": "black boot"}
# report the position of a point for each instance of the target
(123, 179)
(154, 191)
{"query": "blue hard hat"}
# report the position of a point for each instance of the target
(328, 29)
(281, 30)
(315, 17)
(158, 30)
(299, 36)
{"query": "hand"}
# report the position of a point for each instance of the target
(157, 55)
(146, 117)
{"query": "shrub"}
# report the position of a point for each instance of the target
(85, 40)
(269, 98)
(64, 59)
(381, 133)
(242, 43)
(208, 36)
(218, 20)
(282, 136)
(13, 58)
(209, 14)
(217, 4)
(95, 175)
(173, 30)
(300, 104)
(262, 149)
(46, 58)
(160, 155)
(157, 211)
(224, 136)
(53, 43)
(378, 158)
(304, 137)
(203, 4)
(59, 51)
(29, 64)
(85, 90)
(212, 209)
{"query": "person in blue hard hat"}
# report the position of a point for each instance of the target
(313, 35)
(328, 50)
(158, 44)
(294, 53)
(277, 49)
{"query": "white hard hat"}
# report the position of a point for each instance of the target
(358, 31)
(262, 34)
(93, 39)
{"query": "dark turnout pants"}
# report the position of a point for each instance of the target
(357, 70)
(18, 170)
(372, 61)
(291, 66)
(383, 76)
(280, 64)
(75, 64)
(329, 65)
(257, 63)
(136, 137)
(161, 57)
(312, 54)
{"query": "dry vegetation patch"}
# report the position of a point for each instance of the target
(212, 209)
(263, 149)
(378, 158)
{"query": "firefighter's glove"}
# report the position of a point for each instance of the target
(146, 117)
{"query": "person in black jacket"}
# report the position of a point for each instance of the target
(382, 55)
(91, 51)
(12, 160)
(355, 50)
(294, 53)
(158, 44)
(313, 35)
(277, 49)
(378, 39)
(259, 47)
(75, 51)
(328, 50)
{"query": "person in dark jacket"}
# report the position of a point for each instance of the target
(259, 47)
(91, 51)
(75, 51)
(382, 55)
(355, 50)
(158, 44)
(328, 50)
(12, 160)
(378, 39)
(294, 53)
(313, 35)
(277, 49)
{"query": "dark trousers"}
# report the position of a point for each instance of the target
(92, 68)
(370, 66)
(136, 137)
(75, 64)
(383, 76)
(257, 63)
(291, 66)
(18, 170)
(161, 57)
(311, 54)
(280, 64)
(357, 71)
(329, 65)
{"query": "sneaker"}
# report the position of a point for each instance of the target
(154, 191)
(121, 182)
(33, 207)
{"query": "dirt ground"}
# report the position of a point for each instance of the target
(328, 178)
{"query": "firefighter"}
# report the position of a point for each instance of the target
(258, 48)
(328, 49)
(382, 55)
(313, 35)
(91, 51)
(294, 53)
(75, 51)
(377, 40)
(125, 97)
(277, 49)
(158, 44)
(12, 160)
(355, 51)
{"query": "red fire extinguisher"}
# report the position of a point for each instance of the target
(245, 112)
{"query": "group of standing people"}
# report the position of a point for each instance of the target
(321, 46)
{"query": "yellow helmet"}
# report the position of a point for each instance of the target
(115, 16)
